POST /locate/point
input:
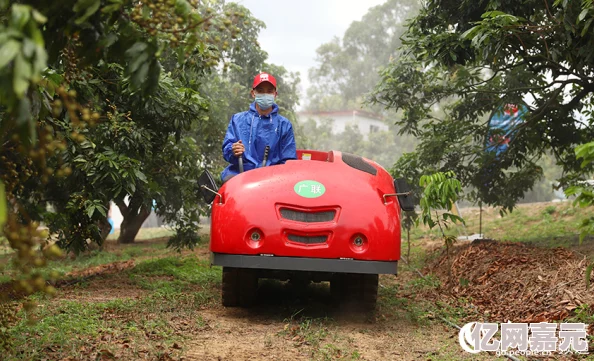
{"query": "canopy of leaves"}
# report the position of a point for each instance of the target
(584, 190)
(461, 61)
(109, 100)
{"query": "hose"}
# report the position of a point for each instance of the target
(266, 150)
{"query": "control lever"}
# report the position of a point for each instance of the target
(266, 150)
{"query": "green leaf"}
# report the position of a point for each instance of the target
(24, 117)
(22, 75)
(582, 150)
(3, 207)
(138, 61)
(90, 211)
(102, 210)
(39, 17)
(140, 175)
(28, 48)
(139, 76)
(583, 14)
(40, 63)
(492, 14)
(138, 47)
(111, 8)
(90, 7)
(8, 51)
(183, 8)
(586, 27)
(20, 15)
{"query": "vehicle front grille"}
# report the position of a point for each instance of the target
(307, 240)
(308, 217)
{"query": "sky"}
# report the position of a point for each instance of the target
(296, 28)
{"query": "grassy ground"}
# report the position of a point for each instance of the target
(145, 233)
(553, 224)
(147, 311)
(166, 305)
(144, 246)
(90, 259)
(155, 309)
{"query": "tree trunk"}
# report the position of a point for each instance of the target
(104, 228)
(134, 216)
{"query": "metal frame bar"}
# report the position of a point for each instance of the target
(304, 264)
(215, 192)
(396, 195)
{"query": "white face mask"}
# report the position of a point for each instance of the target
(264, 101)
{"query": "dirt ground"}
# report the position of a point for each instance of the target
(493, 281)
(477, 281)
(292, 324)
(236, 334)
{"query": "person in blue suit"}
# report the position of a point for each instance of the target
(250, 132)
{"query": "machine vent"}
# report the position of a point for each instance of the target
(308, 217)
(358, 163)
(307, 240)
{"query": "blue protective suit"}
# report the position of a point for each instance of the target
(256, 132)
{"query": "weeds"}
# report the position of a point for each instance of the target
(583, 314)
(67, 327)
(549, 210)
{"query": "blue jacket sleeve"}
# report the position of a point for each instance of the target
(230, 138)
(288, 146)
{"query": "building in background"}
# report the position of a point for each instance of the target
(367, 122)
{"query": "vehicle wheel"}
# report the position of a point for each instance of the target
(248, 287)
(239, 287)
(230, 287)
(360, 291)
(336, 289)
(370, 285)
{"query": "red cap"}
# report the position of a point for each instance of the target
(262, 77)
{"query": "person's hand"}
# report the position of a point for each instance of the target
(238, 149)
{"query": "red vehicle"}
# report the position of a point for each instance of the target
(328, 216)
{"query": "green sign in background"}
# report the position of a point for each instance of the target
(309, 189)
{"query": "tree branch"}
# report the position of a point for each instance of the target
(122, 206)
(581, 95)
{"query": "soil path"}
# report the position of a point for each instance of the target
(287, 326)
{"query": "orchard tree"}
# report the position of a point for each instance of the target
(94, 107)
(461, 61)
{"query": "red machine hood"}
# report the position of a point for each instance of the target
(281, 203)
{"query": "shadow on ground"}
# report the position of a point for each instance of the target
(286, 301)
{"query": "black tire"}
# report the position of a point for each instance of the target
(337, 289)
(369, 289)
(248, 287)
(230, 287)
(239, 287)
(358, 292)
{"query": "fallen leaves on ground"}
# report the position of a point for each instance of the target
(102, 269)
(514, 282)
